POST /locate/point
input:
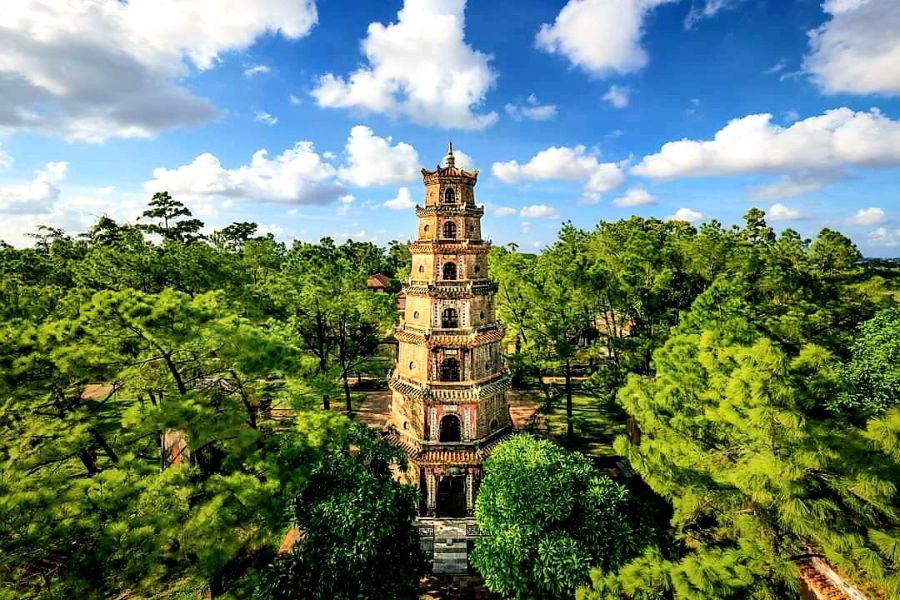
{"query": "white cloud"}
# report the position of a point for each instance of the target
(463, 160)
(707, 9)
(372, 160)
(419, 67)
(753, 144)
(539, 211)
(600, 36)
(885, 237)
(858, 50)
(526, 227)
(781, 212)
(562, 162)
(6, 160)
(618, 96)
(403, 201)
(504, 211)
(869, 216)
(635, 196)
(294, 99)
(796, 184)
(686, 214)
(296, 176)
(532, 109)
(91, 70)
(265, 118)
(346, 202)
(257, 70)
(37, 196)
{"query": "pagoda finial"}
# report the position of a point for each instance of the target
(449, 158)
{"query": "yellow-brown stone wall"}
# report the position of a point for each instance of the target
(490, 409)
(428, 227)
(479, 305)
(422, 267)
(407, 416)
(412, 361)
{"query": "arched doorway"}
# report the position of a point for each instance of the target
(450, 230)
(450, 271)
(449, 429)
(449, 318)
(451, 496)
(450, 369)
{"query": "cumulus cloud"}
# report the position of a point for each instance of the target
(634, 196)
(869, 216)
(885, 237)
(265, 118)
(372, 160)
(257, 70)
(299, 175)
(858, 49)
(618, 96)
(419, 67)
(91, 70)
(538, 211)
(36, 197)
(686, 214)
(599, 36)
(504, 211)
(812, 151)
(531, 109)
(781, 212)
(575, 164)
(403, 201)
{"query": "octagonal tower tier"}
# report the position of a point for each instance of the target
(448, 405)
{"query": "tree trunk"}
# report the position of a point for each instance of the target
(101, 441)
(347, 398)
(570, 430)
(326, 403)
(216, 586)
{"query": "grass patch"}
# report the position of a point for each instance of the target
(597, 422)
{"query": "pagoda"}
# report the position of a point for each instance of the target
(448, 404)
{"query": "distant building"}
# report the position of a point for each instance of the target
(379, 283)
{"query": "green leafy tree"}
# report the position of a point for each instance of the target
(322, 293)
(547, 517)
(872, 376)
(167, 218)
(734, 437)
(357, 536)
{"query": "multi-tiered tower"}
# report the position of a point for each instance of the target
(448, 406)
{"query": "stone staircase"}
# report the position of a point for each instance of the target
(450, 545)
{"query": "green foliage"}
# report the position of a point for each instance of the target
(547, 516)
(188, 338)
(872, 376)
(731, 436)
(357, 538)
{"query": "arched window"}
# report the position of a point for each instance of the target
(449, 196)
(449, 369)
(449, 318)
(450, 430)
(450, 271)
(450, 230)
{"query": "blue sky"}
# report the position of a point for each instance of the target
(580, 110)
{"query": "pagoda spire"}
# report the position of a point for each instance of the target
(449, 159)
